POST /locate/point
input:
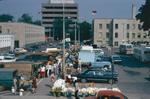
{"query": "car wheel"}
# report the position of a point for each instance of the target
(83, 80)
(115, 81)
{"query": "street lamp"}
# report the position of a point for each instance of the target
(75, 37)
(63, 64)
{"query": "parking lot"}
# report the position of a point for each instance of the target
(133, 80)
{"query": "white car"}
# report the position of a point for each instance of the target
(116, 59)
(102, 64)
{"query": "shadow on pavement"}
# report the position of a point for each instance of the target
(130, 61)
(147, 78)
(133, 73)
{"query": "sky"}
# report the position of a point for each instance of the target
(104, 8)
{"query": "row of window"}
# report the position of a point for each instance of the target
(128, 26)
(127, 35)
(5, 40)
(57, 17)
(133, 35)
(59, 12)
(54, 7)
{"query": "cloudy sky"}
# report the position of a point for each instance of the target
(104, 8)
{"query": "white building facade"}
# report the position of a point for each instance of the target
(24, 34)
(113, 32)
(6, 42)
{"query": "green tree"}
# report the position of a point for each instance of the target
(6, 18)
(37, 22)
(144, 15)
(26, 18)
(85, 31)
(58, 29)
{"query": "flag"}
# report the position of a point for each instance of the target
(94, 12)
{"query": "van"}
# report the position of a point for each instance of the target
(7, 76)
(126, 49)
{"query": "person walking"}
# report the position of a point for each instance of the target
(48, 68)
(52, 77)
(34, 84)
(15, 84)
(76, 93)
(42, 72)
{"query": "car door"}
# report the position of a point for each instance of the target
(99, 75)
(89, 75)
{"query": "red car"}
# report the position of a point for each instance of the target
(108, 94)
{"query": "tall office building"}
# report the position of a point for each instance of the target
(53, 9)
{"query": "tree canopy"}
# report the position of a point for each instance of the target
(144, 15)
(84, 28)
(58, 28)
(85, 31)
(26, 18)
(6, 18)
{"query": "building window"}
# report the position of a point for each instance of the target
(108, 26)
(128, 26)
(107, 35)
(116, 35)
(139, 26)
(116, 26)
(128, 35)
(100, 26)
(133, 35)
(133, 26)
(8, 31)
(145, 35)
(116, 43)
(139, 35)
(100, 34)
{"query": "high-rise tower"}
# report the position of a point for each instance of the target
(54, 10)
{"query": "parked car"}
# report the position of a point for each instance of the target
(102, 64)
(108, 94)
(116, 59)
(95, 75)
(6, 58)
(20, 50)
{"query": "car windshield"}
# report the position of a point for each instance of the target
(109, 97)
(129, 46)
(116, 57)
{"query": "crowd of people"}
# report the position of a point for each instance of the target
(51, 69)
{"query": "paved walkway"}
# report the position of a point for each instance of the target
(42, 89)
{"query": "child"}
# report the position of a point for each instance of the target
(13, 90)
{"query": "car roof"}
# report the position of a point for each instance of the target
(115, 56)
(110, 93)
(102, 62)
(7, 70)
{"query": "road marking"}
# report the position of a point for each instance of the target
(37, 84)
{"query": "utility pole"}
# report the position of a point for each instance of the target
(75, 33)
(63, 64)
